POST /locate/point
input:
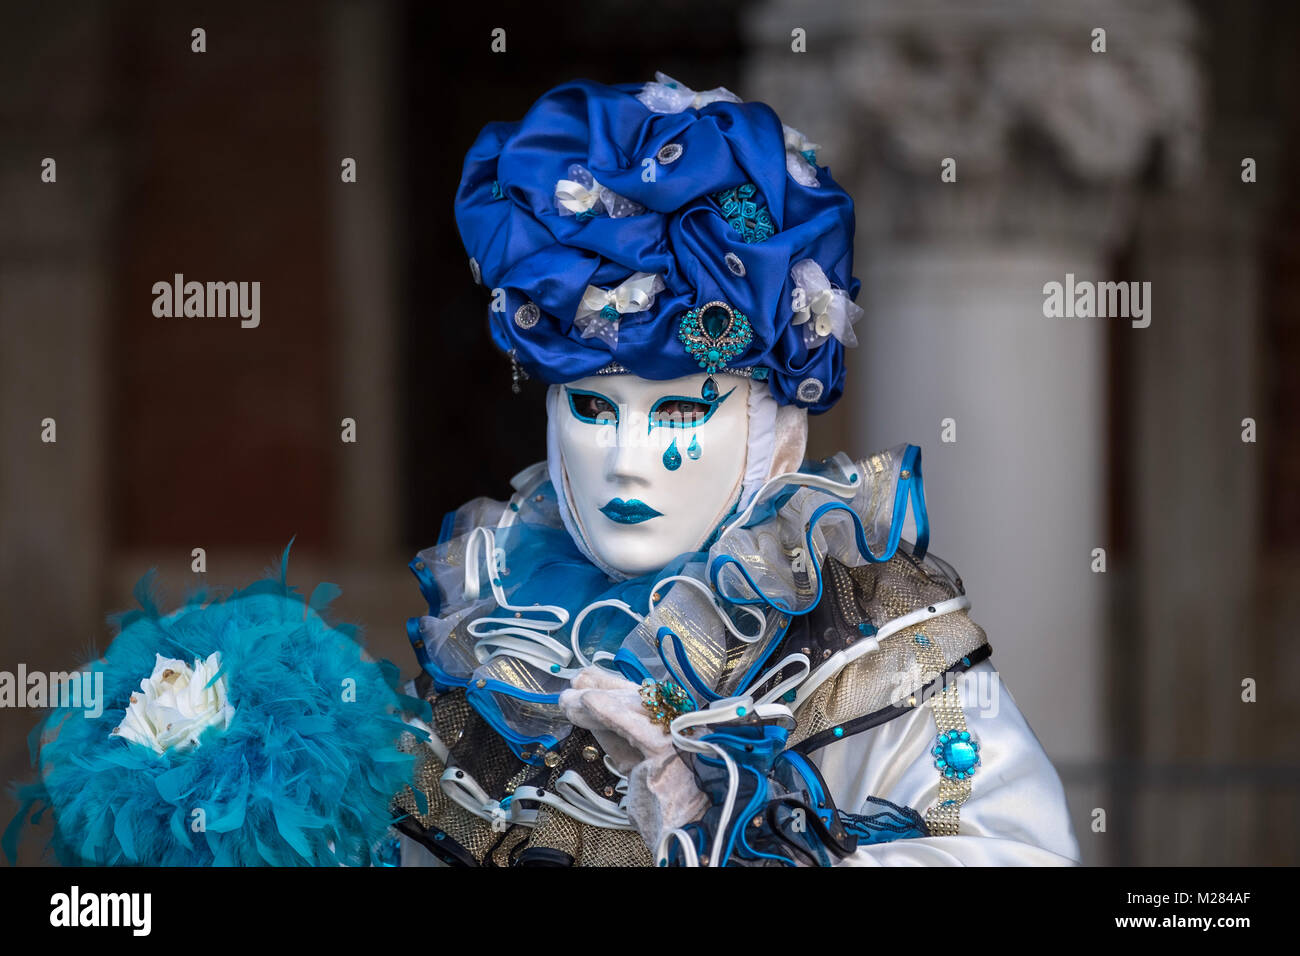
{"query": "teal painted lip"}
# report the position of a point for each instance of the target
(628, 512)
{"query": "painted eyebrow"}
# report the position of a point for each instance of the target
(570, 392)
(713, 407)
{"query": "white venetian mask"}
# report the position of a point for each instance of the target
(652, 467)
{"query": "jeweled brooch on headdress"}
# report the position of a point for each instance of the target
(714, 334)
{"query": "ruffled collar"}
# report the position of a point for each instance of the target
(516, 609)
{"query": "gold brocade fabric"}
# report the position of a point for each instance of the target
(589, 845)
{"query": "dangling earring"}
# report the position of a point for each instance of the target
(517, 373)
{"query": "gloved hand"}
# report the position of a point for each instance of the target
(661, 789)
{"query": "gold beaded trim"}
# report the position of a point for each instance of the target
(942, 819)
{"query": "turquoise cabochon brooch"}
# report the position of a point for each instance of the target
(956, 754)
(714, 334)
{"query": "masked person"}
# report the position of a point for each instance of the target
(679, 642)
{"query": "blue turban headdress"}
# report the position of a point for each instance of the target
(662, 232)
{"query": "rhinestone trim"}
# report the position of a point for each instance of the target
(669, 153)
(756, 372)
(527, 315)
(809, 390)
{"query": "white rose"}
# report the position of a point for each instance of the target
(175, 705)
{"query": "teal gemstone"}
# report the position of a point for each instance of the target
(712, 355)
(710, 390)
(715, 321)
(839, 731)
(960, 755)
(672, 457)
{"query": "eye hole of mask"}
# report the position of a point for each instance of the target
(593, 408)
(680, 413)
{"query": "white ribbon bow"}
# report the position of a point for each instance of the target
(666, 95)
(573, 197)
(796, 163)
(582, 194)
(820, 308)
(635, 294)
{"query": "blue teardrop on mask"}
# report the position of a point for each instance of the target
(672, 457)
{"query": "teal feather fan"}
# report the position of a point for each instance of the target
(299, 770)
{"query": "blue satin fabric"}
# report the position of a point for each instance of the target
(524, 246)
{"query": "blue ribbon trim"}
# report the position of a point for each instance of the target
(630, 667)
(892, 822)
(482, 700)
(428, 586)
(448, 526)
(909, 487)
(442, 681)
(692, 679)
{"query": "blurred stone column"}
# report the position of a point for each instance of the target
(1196, 515)
(1203, 513)
(1052, 144)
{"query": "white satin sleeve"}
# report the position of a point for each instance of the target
(1016, 814)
